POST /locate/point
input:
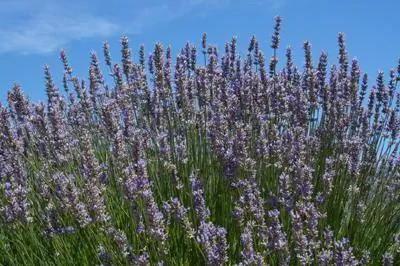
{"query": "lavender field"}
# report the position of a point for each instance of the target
(209, 158)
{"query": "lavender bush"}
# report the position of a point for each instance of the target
(211, 159)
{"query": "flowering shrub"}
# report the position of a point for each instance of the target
(226, 161)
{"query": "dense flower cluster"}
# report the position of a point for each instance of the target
(223, 161)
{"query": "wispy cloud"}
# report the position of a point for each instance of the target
(50, 33)
(30, 29)
(43, 26)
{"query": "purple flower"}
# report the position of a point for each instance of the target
(104, 256)
(387, 259)
(275, 36)
(198, 196)
(248, 254)
(213, 240)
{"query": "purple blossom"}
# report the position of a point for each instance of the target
(213, 240)
(198, 196)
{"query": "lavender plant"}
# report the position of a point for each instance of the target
(203, 162)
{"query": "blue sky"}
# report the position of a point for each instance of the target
(33, 31)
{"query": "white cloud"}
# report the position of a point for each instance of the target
(47, 29)
(43, 26)
(49, 34)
